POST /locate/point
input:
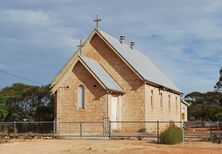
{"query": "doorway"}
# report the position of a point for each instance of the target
(114, 112)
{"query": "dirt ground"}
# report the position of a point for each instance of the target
(43, 146)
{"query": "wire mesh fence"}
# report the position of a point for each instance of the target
(202, 130)
(150, 130)
(27, 128)
(139, 129)
(82, 129)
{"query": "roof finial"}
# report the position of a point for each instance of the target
(80, 47)
(97, 20)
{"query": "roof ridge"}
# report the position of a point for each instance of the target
(139, 61)
(136, 60)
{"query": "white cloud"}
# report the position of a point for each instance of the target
(183, 38)
(25, 16)
(37, 28)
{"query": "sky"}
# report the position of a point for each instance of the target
(182, 37)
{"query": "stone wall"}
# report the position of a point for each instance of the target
(133, 99)
(134, 104)
(167, 109)
(67, 98)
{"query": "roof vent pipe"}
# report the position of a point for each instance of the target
(132, 44)
(121, 38)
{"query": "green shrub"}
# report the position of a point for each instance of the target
(171, 136)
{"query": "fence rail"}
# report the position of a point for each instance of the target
(27, 128)
(82, 129)
(192, 130)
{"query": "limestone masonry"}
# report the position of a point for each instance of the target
(102, 82)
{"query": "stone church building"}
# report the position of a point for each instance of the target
(107, 79)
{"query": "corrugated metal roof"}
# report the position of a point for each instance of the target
(185, 102)
(102, 75)
(141, 63)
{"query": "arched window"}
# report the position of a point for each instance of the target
(161, 100)
(81, 96)
(176, 105)
(169, 102)
(151, 99)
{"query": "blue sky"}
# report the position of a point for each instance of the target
(182, 37)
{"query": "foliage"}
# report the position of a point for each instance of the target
(171, 135)
(218, 86)
(219, 116)
(205, 106)
(3, 111)
(29, 103)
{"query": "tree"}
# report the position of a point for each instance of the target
(205, 106)
(218, 86)
(3, 111)
(27, 102)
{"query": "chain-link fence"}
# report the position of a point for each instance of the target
(150, 130)
(140, 129)
(43, 128)
(202, 130)
(82, 129)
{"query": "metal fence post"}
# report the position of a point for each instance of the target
(183, 131)
(110, 129)
(14, 128)
(211, 131)
(6, 132)
(80, 129)
(158, 133)
(58, 127)
(103, 125)
(54, 127)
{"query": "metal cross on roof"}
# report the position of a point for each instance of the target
(80, 46)
(97, 20)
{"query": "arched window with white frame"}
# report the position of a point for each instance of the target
(81, 96)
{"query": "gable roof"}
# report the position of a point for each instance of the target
(99, 72)
(185, 102)
(68, 66)
(137, 61)
(141, 63)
